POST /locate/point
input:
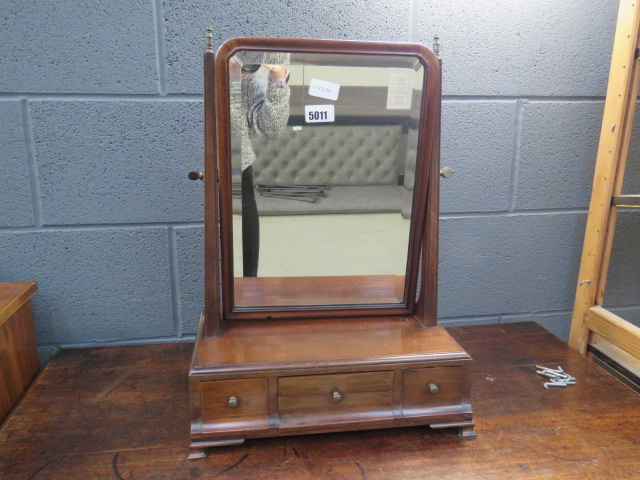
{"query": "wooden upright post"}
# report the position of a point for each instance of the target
(212, 313)
(615, 134)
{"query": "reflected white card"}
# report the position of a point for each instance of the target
(319, 113)
(324, 89)
(400, 90)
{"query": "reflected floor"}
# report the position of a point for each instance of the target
(327, 245)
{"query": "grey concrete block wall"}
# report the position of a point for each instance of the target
(625, 263)
(508, 264)
(15, 193)
(95, 284)
(64, 46)
(482, 161)
(343, 19)
(519, 48)
(101, 117)
(557, 154)
(117, 161)
(190, 251)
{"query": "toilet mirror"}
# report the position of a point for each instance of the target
(323, 152)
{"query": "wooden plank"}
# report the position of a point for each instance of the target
(611, 140)
(18, 351)
(18, 357)
(427, 302)
(615, 353)
(615, 329)
(13, 295)
(274, 345)
(617, 187)
(122, 412)
(336, 290)
(212, 312)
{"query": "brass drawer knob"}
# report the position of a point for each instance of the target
(196, 175)
(433, 388)
(233, 401)
(336, 397)
(447, 172)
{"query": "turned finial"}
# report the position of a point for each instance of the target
(209, 39)
(436, 45)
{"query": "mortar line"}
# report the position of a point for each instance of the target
(537, 313)
(469, 318)
(176, 300)
(191, 337)
(195, 224)
(197, 97)
(413, 20)
(125, 341)
(104, 226)
(32, 167)
(104, 97)
(161, 47)
(615, 308)
(527, 98)
(502, 315)
(516, 213)
(515, 161)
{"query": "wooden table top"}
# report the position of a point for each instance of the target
(122, 413)
(251, 346)
(13, 295)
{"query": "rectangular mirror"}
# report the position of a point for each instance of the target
(321, 206)
(321, 155)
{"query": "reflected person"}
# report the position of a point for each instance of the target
(263, 111)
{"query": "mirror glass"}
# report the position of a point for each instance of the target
(323, 161)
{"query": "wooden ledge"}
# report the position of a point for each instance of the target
(251, 346)
(14, 295)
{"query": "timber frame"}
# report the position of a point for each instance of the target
(593, 326)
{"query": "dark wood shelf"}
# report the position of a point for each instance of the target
(250, 346)
(123, 412)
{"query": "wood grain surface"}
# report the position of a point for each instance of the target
(431, 86)
(308, 400)
(261, 346)
(18, 351)
(123, 413)
(417, 398)
(251, 411)
(13, 295)
(333, 290)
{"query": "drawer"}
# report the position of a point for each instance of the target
(234, 405)
(317, 400)
(429, 391)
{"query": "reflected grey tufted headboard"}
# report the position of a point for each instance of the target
(368, 168)
(335, 155)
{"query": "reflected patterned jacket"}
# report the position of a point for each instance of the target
(259, 107)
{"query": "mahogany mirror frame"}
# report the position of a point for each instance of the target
(423, 236)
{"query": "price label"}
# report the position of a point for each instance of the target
(324, 89)
(319, 113)
(400, 90)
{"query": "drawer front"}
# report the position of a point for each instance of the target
(234, 405)
(428, 391)
(318, 400)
